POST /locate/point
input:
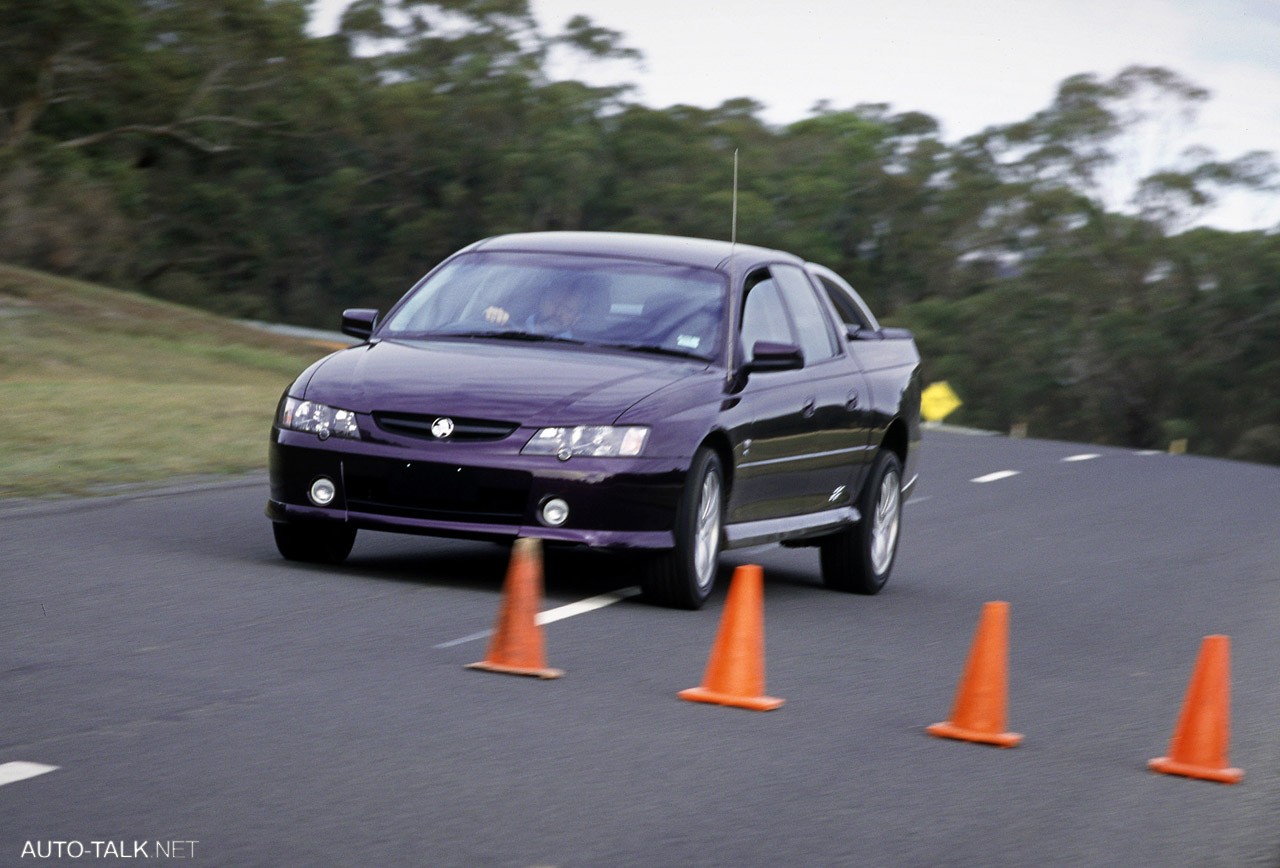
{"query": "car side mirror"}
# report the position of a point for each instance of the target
(768, 356)
(358, 322)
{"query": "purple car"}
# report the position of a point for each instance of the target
(665, 397)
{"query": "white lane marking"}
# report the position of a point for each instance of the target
(995, 477)
(557, 614)
(1149, 452)
(583, 606)
(11, 773)
(1087, 456)
(484, 634)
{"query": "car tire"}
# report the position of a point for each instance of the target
(684, 577)
(314, 543)
(859, 558)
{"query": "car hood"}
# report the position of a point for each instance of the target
(531, 385)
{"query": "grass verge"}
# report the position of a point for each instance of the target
(103, 388)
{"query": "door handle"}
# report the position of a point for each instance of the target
(851, 403)
(810, 407)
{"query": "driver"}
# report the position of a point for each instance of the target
(559, 310)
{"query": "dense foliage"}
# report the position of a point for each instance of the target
(217, 154)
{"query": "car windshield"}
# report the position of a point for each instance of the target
(626, 304)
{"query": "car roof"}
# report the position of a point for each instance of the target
(698, 252)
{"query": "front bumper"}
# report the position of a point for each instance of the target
(476, 491)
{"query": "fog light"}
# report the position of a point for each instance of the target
(555, 512)
(322, 491)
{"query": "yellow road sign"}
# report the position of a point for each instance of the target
(937, 401)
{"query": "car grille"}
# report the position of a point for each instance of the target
(419, 425)
(443, 492)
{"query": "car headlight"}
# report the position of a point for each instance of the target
(608, 441)
(318, 419)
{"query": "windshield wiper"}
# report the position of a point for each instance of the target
(657, 350)
(512, 335)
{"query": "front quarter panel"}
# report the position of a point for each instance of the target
(298, 389)
(680, 415)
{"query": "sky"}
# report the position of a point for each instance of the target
(969, 65)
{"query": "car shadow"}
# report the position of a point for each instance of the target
(568, 574)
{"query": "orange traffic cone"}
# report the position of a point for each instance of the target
(1198, 748)
(735, 670)
(979, 711)
(517, 647)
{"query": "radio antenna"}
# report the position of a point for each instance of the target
(731, 337)
(733, 233)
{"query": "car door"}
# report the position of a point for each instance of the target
(881, 354)
(840, 388)
(801, 438)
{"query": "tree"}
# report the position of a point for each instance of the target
(217, 154)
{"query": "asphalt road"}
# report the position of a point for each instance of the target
(190, 686)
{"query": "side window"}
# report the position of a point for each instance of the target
(849, 308)
(812, 322)
(844, 305)
(763, 316)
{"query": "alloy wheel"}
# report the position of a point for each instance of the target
(706, 551)
(885, 523)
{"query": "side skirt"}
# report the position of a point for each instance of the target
(791, 528)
